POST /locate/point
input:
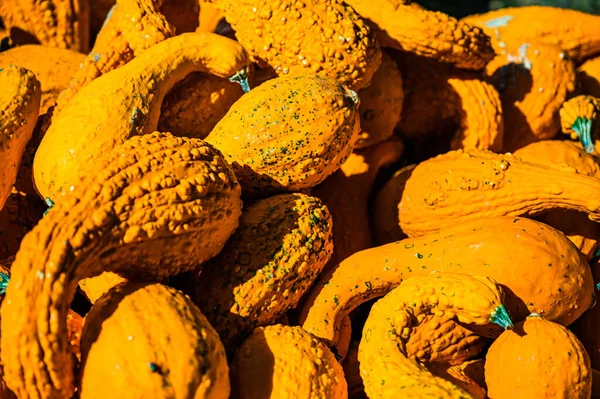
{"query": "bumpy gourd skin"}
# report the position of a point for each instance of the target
(588, 77)
(130, 28)
(53, 23)
(19, 107)
(580, 119)
(154, 207)
(426, 33)
(440, 339)
(124, 103)
(53, 67)
(437, 96)
(384, 208)
(533, 81)
(385, 368)
(150, 340)
(554, 279)
(280, 247)
(380, 104)
(459, 186)
(323, 37)
(289, 133)
(196, 104)
(286, 362)
(575, 32)
(568, 156)
(538, 359)
(346, 193)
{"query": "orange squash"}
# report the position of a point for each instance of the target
(556, 281)
(156, 206)
(587, 327)
(533, 81)
(385, 368)
(131, 352)
(538, 359)
(458, 186)
(568, 156)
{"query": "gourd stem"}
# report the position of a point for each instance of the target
(583, 128)
(50, 204)
(4, 279)
(501, 317)
(241, 77)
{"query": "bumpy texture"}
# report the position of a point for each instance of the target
(19, 107)
(289, 133)
(575, 32)
(54, 23)
(154, 207)
(323, 37)
(286, 362)
(124, 103)
(538, 359)
(554, 278)
(580, 119)
(568, 156)
(437, 96)
(280, 247)
(196, 104)
(533, 81)
(426, 33)
(385, 368)
(150, 340)
(384, 208)
(459, 186)
(130, 28)
(588, 77)
(440, 339)
(380, 104)
(346, 193)
(74, 328)
(53, 67)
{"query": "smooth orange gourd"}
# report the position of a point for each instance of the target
(538, 359)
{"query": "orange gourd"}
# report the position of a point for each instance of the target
(580, 119)
(538, 359)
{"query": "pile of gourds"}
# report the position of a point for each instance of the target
(298, 199)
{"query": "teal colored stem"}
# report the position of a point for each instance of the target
(241, 77)
(4, 279)
(583, 128)
(501, 317)
(50, 204)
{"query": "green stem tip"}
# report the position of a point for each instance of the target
(4, 279)
(583, 128)
(501, 317)
(241, 77)
(50, 204)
